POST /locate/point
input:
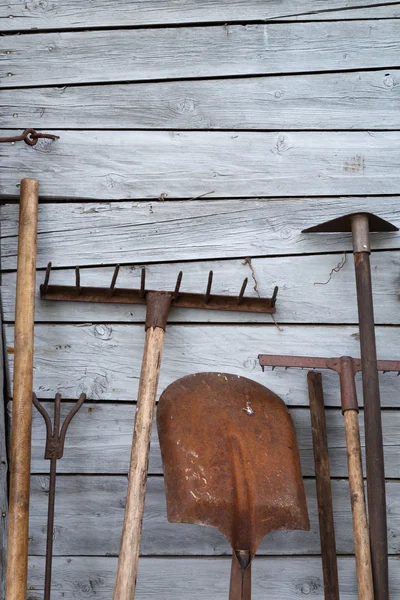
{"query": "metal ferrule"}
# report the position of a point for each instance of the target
(360, 231)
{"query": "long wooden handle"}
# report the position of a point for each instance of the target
(132, 528)
(323, 483)
(360, 523)
(18, 519)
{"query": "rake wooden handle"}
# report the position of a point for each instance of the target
(359, 512)
(18, 518)
(132, 528)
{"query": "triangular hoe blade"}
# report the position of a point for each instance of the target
(230, 458)
(343, 224)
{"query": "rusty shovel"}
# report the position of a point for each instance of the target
(231, 461)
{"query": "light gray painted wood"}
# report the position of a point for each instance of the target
(33, 15)
(197, 579)
(3, 477)
(90, 513)
(359, 100)
(99, 441)
(104, 360)
(302, 298)
(146, 54)
(132, 232)
(145, 164)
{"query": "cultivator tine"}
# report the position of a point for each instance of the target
(178, 285)
(209, 284)
(274, 295)
(242, 291)
(143, 283)
(77, 280)
(47, 277)
(114, 280)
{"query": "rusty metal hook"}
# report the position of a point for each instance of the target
(29, 136)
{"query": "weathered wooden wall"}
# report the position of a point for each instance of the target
(279, 115)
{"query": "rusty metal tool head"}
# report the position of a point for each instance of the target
(179, 299)
(230, 459)
(361, 224)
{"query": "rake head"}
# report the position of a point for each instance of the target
(112, 294)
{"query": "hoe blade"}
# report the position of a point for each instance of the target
(230, 459)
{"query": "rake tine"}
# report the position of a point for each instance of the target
(77, 280)
(47, 278)
(143, 283)
(209, 284)
(178, 285)
(114, 280)
(274, 296)
(243, 289)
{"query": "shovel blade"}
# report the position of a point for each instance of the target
(230, 458)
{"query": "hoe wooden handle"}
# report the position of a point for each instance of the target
(18, 518)
(360, 523)
(132, 529)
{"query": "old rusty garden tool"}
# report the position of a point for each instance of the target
(346, 367)
(55, 439)
(323, 485)
(158, 305)
(17, 555)
(360, 225)
(230, 461)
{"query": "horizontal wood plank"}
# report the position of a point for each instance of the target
(76, 578)
(302, 298)
(148, 54)
(33, 15)
(147, 164)
(99, 441)
(359, 100)
(90, 513)
(134, 232)
(104, 360)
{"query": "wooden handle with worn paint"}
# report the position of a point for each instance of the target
(132, 528)
(18, 517)
(358, 507)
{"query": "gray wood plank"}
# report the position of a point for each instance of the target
(99, 441)
(132, 232)
(302, 298)
(197, 579)
(359, 100)
(145, 164)
(33, 15)
(3, 477)
(146, 54)
(90, 513)
(104, 360)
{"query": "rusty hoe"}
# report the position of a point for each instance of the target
(18, 517)
(346, 367)
(239, 471)
(323, 484)
(360, 225)
(55, 439)
(29, 136)
(157, 304)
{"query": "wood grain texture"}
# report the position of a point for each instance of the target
(135, 232)
(104, 360)
(99, 441)
(90, 512)
(359, 100)
(148, 54)
(3, 477)
(205, 579)
(145, 164)
(302, 298)
(33, 15)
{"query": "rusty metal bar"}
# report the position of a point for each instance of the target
(114, 280)
(209, 284)
(242, 291)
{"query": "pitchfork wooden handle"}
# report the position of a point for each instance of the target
(132, 529)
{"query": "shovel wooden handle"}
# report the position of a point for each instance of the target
(18, 518)
(359, 512)
(132, 528)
